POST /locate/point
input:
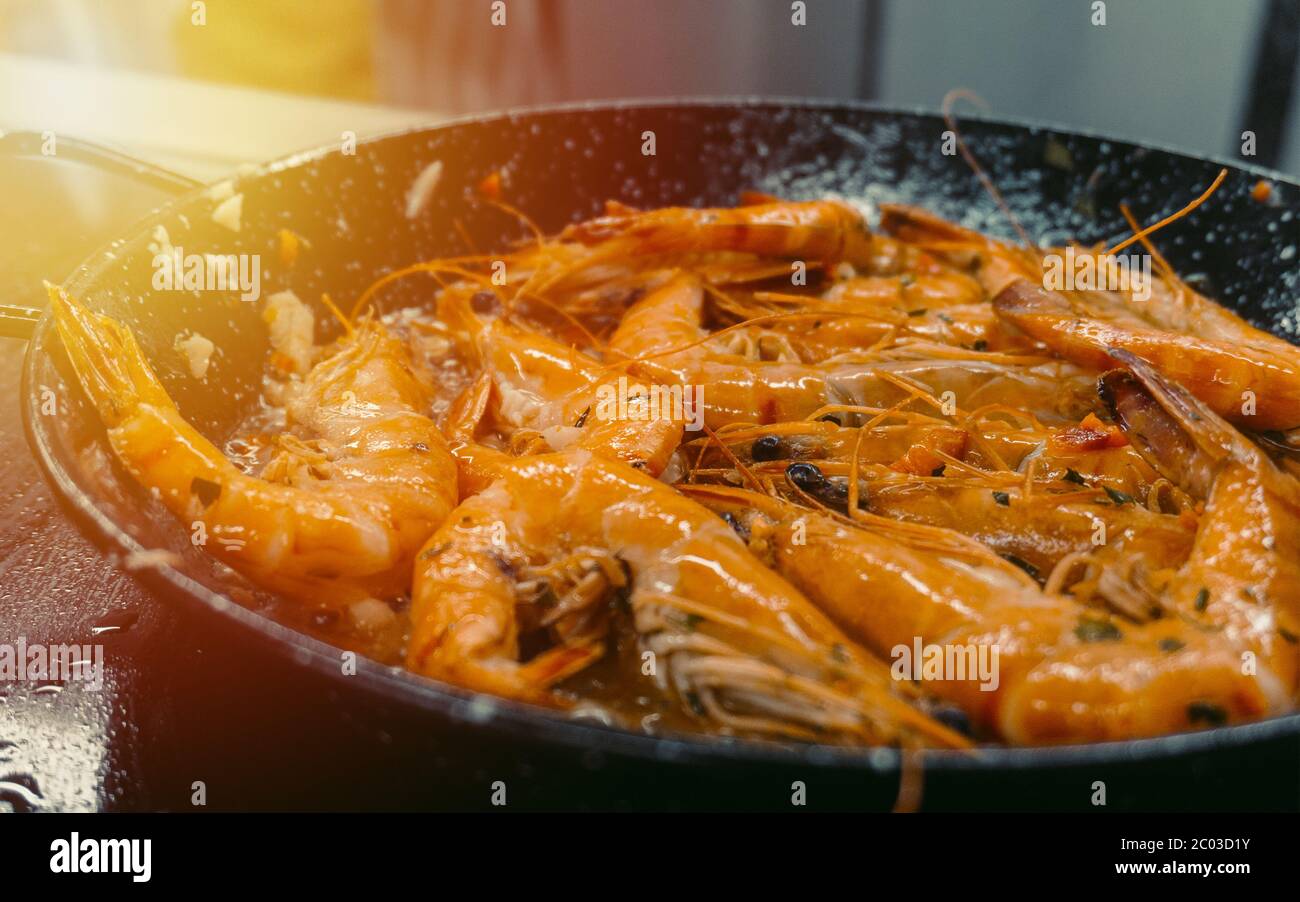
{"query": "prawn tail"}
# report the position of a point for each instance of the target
(560, 663)
(107, 359)
(469, 410)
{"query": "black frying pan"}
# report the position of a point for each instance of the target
(561, 165)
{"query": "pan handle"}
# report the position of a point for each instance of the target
(19, 320)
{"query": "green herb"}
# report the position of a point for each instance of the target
(1288, 635)
(919, 311)
(938, 471)
(692, 621)
(1117, 496)
(1002, 498)
(1202, 598)
(1207, 713)
(1092, 630)
(839, 654)
(693, 699)
(429, 554)
(1073, 476)
(1169, 644)
(582, 418)
(980, 345)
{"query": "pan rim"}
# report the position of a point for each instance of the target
(400, 687)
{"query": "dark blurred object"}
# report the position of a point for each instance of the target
(1269, 112)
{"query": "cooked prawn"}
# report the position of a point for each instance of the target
(338, 518)
(821, 231)
(1065, 674)
(1243, 574)
(1255, 386)
(733, 640)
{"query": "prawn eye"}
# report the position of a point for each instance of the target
(766, 448)
(805, 476)
(831, 492)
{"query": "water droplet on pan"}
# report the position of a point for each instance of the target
(118, 620)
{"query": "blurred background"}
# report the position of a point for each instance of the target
(206, 85)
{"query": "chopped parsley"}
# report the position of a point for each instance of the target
(1093, 630)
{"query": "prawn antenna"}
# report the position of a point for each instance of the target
(949, 100)
(338, 314)
(538, 235)
(1173, 217)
